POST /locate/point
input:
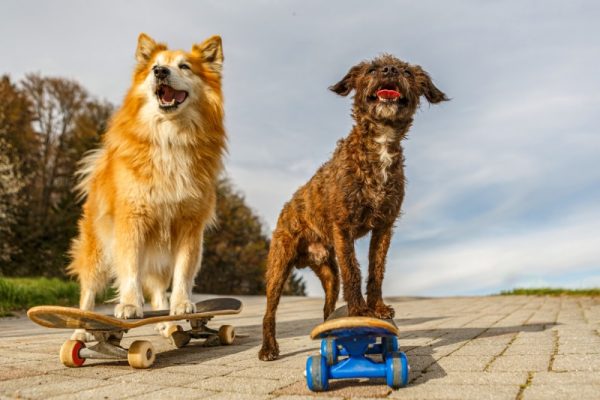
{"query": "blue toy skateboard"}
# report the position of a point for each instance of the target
(356, 347)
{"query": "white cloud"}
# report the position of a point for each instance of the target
(494, 262)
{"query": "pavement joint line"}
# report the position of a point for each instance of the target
(585, 317)
(560, 309)
(489, 364)
(525, 385)
(424, 371)
(554, 351)
(494, 358)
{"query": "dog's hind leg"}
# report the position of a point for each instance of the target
(330, 280)
(89, 267)
(279, 265)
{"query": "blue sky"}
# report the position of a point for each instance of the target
(503, 181)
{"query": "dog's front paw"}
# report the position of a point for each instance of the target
(82, 335)
(183, 307)
(384, 311)
(128, 311)
(269, 352)
(360, 311)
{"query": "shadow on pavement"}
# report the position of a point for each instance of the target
(421, 358)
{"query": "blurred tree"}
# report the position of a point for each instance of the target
(65, 123)
(11, 189)
(235, 250)
(17, 141)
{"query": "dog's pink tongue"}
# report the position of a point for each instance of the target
(168, 94)
(180, 95)
(388, 94)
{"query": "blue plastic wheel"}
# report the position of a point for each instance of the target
(317, 373)
(329, 350)
(396, 370)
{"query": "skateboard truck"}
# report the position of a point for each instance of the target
(179, 337)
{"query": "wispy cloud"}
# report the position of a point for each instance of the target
(492, 262)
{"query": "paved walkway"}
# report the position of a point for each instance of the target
(458, 348)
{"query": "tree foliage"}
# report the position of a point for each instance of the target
(236, 249)
(46, 125)
(16, 164)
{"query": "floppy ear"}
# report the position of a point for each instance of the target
(345, 86)
(427, 88)
(211, 52)
(145, 47)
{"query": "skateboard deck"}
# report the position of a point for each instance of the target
(340, 324)
(74, 318)
(108, 330)
(352, 347)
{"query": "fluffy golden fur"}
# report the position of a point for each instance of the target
(150, 188)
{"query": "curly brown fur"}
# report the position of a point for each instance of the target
(360, 190)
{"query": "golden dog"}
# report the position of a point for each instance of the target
(150, 187)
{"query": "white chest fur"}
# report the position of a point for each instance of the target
(172, 165)
(385, 137)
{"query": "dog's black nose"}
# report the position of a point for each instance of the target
(389, 70)
(161, 72)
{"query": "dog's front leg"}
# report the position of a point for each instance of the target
(380, 243)
(350, 271)
(188, 256)
(127, 258)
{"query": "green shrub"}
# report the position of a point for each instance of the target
(546, 291)
(23, 293)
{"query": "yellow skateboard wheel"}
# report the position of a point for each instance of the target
(69, 353)
(141, 354)
(226, 334)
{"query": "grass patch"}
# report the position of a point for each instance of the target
(551, 292)
(22, 293)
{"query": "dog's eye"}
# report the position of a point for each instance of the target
(407, 73)
(184, 66)
(372, 70)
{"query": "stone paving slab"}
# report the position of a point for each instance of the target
(496, 347)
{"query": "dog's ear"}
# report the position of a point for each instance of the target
(426, 86)
(145, 48)
(348, 82)
(211, 52)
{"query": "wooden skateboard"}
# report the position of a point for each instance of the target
(351, 348)
(108, 330)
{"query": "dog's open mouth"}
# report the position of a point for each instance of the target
(169, 98)
(388, 92)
